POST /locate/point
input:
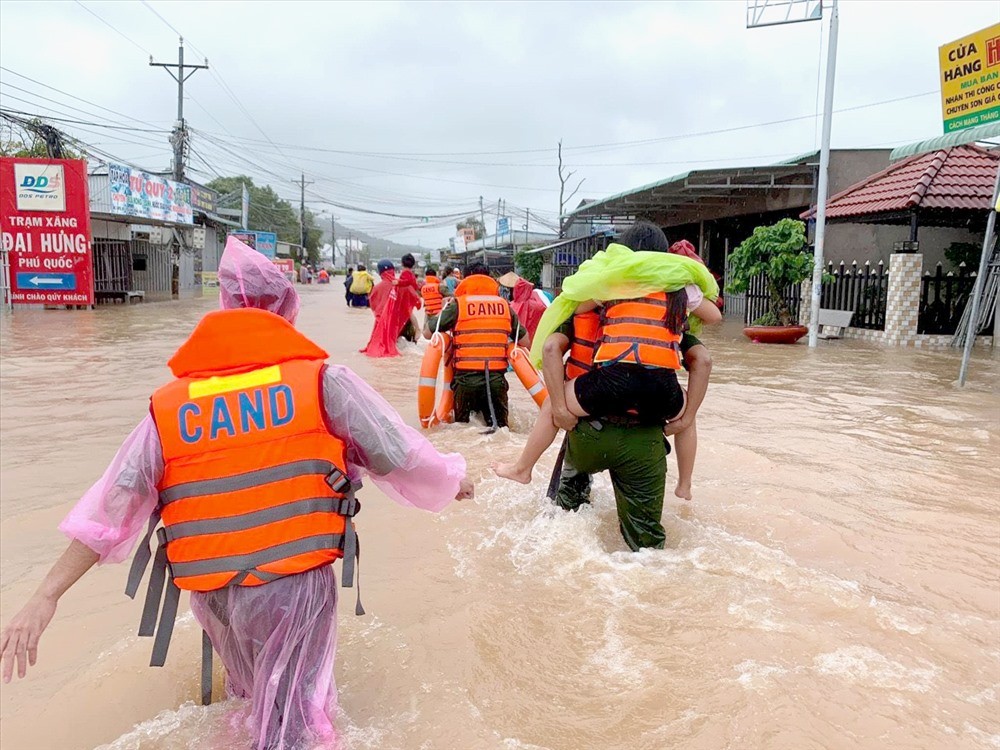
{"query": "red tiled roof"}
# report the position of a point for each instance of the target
(956, 179)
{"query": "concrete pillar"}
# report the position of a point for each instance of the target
(805, 303)
(903, 300)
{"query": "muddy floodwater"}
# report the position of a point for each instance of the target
(834, 584)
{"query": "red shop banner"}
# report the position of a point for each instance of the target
(45, 224)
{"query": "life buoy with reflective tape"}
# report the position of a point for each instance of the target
(430, 408)
(434, 409)
(520, 361)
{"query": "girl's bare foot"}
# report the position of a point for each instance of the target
(683, 491)
(513, 473)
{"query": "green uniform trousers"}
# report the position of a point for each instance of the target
(471, 396)
(636, 458)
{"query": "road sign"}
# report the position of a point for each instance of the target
(48, 281)
(970, 80)
(45, 220)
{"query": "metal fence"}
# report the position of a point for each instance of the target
(943, 297)
(861, 289)
(568, 258)
(758, 299)
(112, 266)
(5, 279)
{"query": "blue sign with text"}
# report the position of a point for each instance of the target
(47, 281)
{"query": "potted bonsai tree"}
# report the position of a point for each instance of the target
(779, 253)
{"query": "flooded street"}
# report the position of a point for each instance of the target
(834, 584)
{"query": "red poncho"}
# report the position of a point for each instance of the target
(392, 306)
(526, 305)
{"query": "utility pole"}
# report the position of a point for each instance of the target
(482, 220)
(496, 229)
(178, 138)
(302, 213)
(527, 218)
(333, 242)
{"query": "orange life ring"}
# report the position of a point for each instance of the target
(430, 409)
(520, 361)
(444, 412)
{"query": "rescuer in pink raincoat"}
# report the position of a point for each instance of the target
(276, 640)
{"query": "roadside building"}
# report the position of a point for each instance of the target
(151, 236)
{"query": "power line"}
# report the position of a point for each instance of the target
(411, 156)
(72, 96)
(123, 35)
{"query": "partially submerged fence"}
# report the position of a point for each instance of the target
(861, 289)
(758, 299)
(943, 297)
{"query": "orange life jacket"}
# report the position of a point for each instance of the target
(635, 330)
(586, 331)
(484, 328)
(431, 292)
(254, 486)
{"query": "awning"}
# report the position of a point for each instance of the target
(959, 138)
(697, 193)
(547, 248)
(216, 219)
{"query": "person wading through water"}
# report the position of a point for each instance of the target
(483, 324)
(622, 371)
(250, 457)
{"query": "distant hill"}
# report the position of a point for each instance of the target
(378, 247)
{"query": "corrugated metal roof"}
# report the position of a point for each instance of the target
(953, 179)
(958, 138)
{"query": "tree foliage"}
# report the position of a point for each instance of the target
(968, 253)
(529, 266)
(474, 224)
(269, 212)
(29, 141)
(779, 253)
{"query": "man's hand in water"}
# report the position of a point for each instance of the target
(564, 419)
(466, 490)
(19, 639)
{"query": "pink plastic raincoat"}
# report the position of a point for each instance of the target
(276, 641)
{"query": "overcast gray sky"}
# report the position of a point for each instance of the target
(455, 100)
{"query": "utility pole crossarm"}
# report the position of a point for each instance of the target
(178, 139)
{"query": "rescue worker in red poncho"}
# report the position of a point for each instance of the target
(392, 305)
(525, 300)
(250, 457)
(483, 324)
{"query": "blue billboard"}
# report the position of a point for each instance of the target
(265, 243)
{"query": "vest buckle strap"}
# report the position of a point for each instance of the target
(154, 619)
(338, 481)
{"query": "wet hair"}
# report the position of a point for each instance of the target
(408, 261)
(676, 319)
(350, 270)
(430, 271)
(477, 269)
(361, 266)
(645, 235)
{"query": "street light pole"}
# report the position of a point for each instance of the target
(762, 13)
(823, 189)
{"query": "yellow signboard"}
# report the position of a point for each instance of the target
(970, 79)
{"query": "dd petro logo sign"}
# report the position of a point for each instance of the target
(40, 187)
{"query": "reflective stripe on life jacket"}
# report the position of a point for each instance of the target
(635, 330)
(431, 292)
(483, 328)
(586, 329)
